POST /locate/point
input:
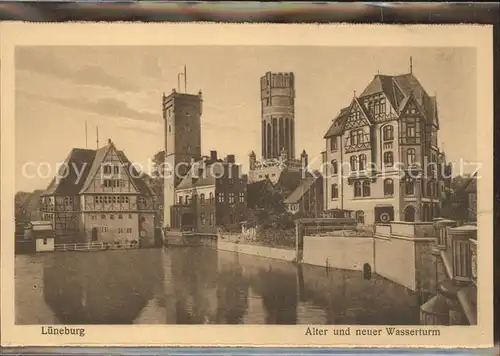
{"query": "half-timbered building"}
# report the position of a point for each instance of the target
(98, 195)
(382, 158)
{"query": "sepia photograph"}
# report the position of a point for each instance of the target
(331, 187)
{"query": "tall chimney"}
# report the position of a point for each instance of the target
(213, 156)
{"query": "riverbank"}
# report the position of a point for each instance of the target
(400, 252)
(284, 254)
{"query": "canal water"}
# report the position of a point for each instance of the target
(200, 285)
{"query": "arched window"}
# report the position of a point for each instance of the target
(354, 163)
(357, 189)
(202, 199)
(362, 162)
(335, 191)
(388, 133)
(410, 187)
(366, 188)
(335, 167)
(411, 156)
(187, 200)
(409, 213)
(388, 159)
(388, 187)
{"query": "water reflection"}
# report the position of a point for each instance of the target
(279, 295)
(193, 278)
(109, 287)
(232, 294)
(200, 286)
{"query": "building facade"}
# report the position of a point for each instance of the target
(181, 114)
(99, 196)
(212, 195)
(382, 158)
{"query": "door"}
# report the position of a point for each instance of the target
(94, 234)
(410, 214)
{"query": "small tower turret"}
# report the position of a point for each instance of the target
(252, 160)
(304, 159)
(283, 154)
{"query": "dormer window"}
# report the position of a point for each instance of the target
(107, 169)
(380, 106)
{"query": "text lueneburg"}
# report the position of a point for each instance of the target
(51, 330)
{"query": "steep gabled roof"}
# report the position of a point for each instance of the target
(398, 89)
(98, 158)
(337, 126)
(83, 164)
(258, 190)
(302, 189)
(384, 84)
(470, 185)
(362, 108)
(129, 170)
(288, 181)
(78, 162)
(412, 99)
(430, 105)
(138, 178)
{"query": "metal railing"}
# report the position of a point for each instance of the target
(95, 246)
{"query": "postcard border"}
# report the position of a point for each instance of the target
(233, 34)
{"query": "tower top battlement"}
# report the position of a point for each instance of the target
(277, 80)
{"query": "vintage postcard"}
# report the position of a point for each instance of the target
(246, 185)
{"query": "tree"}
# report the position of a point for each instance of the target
(20, 211)
(158, 164)
(455, 203)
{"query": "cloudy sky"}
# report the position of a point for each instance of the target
(119, 90)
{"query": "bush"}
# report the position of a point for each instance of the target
(275, 237)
